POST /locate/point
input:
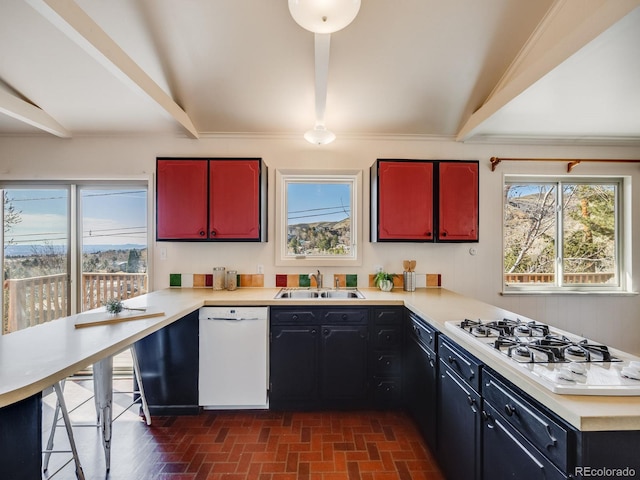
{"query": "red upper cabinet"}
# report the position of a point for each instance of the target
(404, 200)
(424, 201)
(458, 201)
(181, 207)
(234, 199)
(211, 199)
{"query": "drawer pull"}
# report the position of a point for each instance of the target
(294, 316)
(451, 359)
(213, 233)
(201, 233)
(470, 400)
(509, 409)
(313, 331)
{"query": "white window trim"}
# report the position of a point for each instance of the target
(284, 176)
(623, 239)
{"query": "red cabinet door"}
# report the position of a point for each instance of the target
(181, 193)
(234, 199)
(458, 201)
(405, 200)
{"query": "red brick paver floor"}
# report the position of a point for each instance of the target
(260, 445)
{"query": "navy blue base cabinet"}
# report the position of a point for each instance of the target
(21, 439)
(168, 362)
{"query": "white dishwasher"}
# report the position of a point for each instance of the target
(234, 357)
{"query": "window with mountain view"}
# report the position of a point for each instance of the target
(317, 221)
(70, 247)
(562, 234)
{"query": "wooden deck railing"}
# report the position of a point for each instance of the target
(99, 287)
(36, 300)
(569, 278)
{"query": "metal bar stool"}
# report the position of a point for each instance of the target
(103, 399)
(61, 407)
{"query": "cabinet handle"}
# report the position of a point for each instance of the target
(443, 234)
(432, 364)
(470, 400)
(213, 233)
(345, 316)
(488, 419)
(430, 338)
(326, 331)
(313, 331)
(451, 359)
(509, 409)
(428, 234)
(388, 337)
(201, 233)
(294, 316)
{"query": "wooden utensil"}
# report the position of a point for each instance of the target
(405, 264)
(412, 265)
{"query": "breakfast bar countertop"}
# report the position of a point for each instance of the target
(35, 358)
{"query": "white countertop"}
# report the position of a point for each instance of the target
(35, 358)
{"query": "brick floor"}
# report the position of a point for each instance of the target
(259, 445)
(264, 446)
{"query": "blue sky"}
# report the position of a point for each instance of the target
(313, 202)
(109, 216)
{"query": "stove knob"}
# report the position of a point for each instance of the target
(577, 368)
(631, 372)
(565, 374)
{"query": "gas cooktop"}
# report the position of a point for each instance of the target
(560, 361)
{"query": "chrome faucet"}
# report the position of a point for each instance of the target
(318, 277)
(337, 282)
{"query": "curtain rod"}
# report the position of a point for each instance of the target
(571, 162)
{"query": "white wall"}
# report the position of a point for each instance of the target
(611, 319)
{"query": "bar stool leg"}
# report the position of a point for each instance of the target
(138, 377)
(102, 377)
(61, 407)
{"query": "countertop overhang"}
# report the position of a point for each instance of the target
(35, 358)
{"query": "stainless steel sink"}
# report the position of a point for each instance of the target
(342, 294)
(318, 294)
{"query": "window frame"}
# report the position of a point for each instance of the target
(622, 240)
(74, 256)
(283, 177)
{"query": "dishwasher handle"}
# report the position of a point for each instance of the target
(234, 319)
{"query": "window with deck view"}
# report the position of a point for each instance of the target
(564, 234)
(102, 254)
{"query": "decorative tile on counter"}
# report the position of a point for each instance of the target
(303, 281)
(345, 280)
(205, 280)
(422, 280)
(251, 280)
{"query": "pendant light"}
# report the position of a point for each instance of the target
(322, 17)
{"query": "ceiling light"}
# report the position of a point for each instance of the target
(319, 135)
(324, 16)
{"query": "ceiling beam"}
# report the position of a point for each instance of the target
(28, 113)
(69, 18)
(567, 27)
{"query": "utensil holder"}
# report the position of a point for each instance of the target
(409, 281)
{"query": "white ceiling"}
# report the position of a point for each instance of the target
(550, 71)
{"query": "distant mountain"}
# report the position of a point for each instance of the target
(28, 250)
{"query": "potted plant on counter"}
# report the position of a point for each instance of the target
(384, 280)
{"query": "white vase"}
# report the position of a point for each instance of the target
(385, 285)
